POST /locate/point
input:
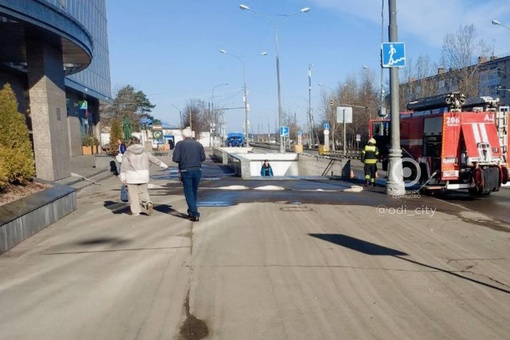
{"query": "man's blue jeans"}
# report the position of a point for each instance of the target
(190, 180)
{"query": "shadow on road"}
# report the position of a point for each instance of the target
(377, 250)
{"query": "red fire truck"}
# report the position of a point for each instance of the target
(450, 143)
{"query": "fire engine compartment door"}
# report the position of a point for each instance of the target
(450, 146)
(482, 142)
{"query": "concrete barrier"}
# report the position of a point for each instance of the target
(248, 166)
(221, 153)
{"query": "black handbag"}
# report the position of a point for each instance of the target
(124, 193)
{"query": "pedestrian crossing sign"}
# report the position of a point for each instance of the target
(393, 54)
(284, 131)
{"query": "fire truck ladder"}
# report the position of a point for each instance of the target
(452, 100)
(502, 126)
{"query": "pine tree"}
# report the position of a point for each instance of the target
(16, 155)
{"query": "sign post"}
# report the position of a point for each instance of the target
(326, 136)
(344, 115)
(284, 133)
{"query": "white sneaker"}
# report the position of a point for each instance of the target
(150, 208)
(137, 214)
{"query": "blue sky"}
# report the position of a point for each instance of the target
(170, 49)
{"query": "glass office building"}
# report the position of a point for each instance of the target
(55, 57)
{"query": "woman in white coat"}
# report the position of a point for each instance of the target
(135, 174)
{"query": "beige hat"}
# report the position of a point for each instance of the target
(187, 133)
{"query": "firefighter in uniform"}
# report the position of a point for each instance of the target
(369, 157)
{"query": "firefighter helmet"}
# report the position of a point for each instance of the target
(372, 141)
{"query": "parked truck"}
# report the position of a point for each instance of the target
(235, 139)
(450, 143)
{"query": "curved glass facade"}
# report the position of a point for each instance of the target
(55, 57)
(92, 15)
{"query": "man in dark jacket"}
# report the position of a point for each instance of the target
(369, 157)
(189, 155)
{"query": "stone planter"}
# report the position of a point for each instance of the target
(25, 217)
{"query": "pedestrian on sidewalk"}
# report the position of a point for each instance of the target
(135, 174)
(189, 155)
(120, 152)
(266, 169)
(369, 157)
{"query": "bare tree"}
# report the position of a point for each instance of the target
(363, 97)
(462, 55)
(419, 80)
(196, 116)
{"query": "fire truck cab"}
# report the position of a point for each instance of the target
(450, 143)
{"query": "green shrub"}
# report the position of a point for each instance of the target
(4, 177)
(115, 134)
(89, 141)
(17, 159)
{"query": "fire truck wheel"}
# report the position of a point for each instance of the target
(504, 175)
(478, 179)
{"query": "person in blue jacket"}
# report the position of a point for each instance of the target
(266, 170)
(189, 155)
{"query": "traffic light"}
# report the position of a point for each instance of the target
(331, 102)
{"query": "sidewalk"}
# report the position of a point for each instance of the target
(311, 261)
(84, 172)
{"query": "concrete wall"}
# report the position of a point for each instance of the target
(312, 165)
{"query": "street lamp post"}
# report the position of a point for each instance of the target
(180, 115)
(303, 10)
(310, 119)
(496, 22)
(213, 114)
(395, 184)
(382, 108)
(191, 121)
(245, 95)
(333, 119)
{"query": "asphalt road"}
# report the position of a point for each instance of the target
(293, 259)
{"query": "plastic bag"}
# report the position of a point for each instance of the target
(124, 193)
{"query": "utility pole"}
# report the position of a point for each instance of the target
(310, 120)
(333, 124)
(382, 109)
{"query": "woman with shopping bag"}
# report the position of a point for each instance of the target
(135, 174)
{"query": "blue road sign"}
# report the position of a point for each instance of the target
(300, 133)
(284, 131)
(326, 126)
(393, 54)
